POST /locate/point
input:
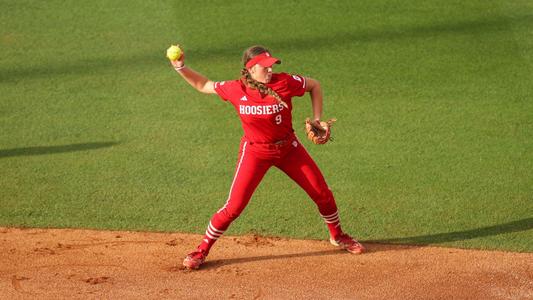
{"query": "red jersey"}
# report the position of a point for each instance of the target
(263, 119)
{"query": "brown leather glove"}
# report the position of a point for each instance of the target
(318, 132)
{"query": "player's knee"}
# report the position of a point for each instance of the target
(324, 196)
(230, 214)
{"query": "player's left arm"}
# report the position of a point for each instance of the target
(312, 86)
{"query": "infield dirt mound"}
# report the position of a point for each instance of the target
(87, 264)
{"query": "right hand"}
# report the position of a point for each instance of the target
(179, 62)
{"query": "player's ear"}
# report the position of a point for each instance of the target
(252, 70)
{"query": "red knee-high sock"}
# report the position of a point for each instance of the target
(211, 236)
(334, 223)
(218, 224)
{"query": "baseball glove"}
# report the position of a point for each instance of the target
(318, 134)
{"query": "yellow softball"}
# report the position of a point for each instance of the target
(174, 52)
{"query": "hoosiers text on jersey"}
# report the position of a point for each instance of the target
(260, 109)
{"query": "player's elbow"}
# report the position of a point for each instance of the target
(202, 90)
(207, 88)
(312, 85)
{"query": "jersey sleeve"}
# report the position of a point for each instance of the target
(297, 85)
(222, 88)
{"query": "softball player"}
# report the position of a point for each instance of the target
(263, 101)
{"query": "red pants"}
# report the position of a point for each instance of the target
(253, 163)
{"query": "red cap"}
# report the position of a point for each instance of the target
(264, 59)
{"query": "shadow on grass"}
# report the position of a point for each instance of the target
(516, 226)
(88, 66)
(233, 51)
(30, 151)
(407, 33)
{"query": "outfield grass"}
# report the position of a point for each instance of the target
(434, 100)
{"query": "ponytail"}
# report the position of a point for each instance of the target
(263, 88)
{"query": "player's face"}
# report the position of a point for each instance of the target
(261, 74)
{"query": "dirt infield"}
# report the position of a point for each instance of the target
(86, 264)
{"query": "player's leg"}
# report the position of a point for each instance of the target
(299, 166)
(248, 174)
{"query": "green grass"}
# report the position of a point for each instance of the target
(434, 143)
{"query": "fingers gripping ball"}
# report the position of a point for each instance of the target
(174, 52)
(318, 134)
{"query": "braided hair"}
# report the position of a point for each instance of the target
(252, 83)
